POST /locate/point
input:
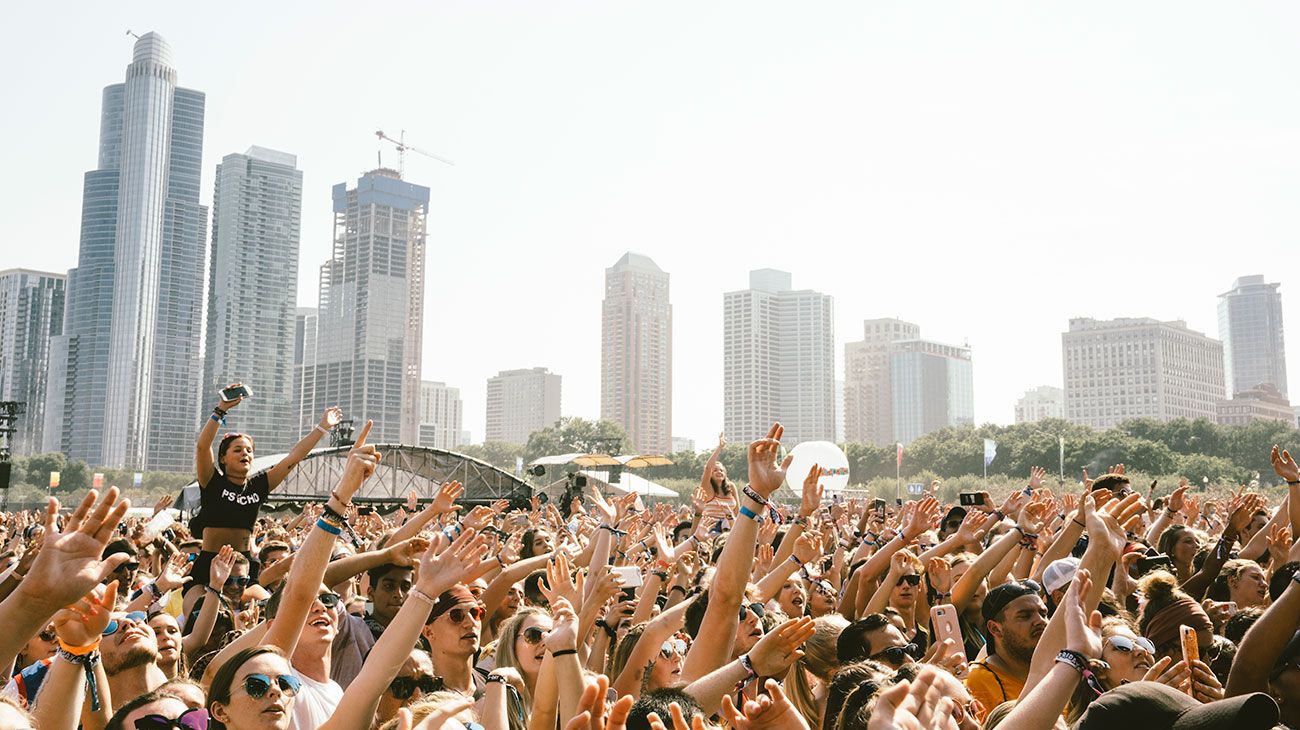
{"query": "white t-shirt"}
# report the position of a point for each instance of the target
(315, 703)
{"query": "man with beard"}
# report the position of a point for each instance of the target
(129, 653)
(1014, 619)
(453, 630)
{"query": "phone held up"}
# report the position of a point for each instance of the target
(238, 391)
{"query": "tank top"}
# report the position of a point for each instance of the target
(222, 504)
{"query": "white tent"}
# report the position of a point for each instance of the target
(629, 482)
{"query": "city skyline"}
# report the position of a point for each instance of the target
(800, 212)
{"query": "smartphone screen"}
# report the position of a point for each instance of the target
(1190, 649)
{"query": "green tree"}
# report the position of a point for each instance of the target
(572, 434)
(497, 453)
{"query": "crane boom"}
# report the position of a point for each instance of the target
(402, 148)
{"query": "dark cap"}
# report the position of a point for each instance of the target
(956, 511)
(1153, 705)
(998, 598)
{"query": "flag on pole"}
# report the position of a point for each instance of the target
(900, 455)
(990, 451)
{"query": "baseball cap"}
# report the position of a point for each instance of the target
(957, 511)
(1153, 705)
(998, 598)
(1059, 573)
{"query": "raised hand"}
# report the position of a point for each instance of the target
(765, 474)
(332, 417)
(362, 462)
(1036, 474)
(436, 720)
(1033, 518)
(163, 503)
(1082, 630)
(478, 518)
(921, 518)
(1241, 508)
(174, 574)
(1284, 465)
(812, 492)
(564, 629)
(592, 709)
(916, 705)
(1108, 526)
(899, 562)
(772, 711)
(808, 547)
(443, 567)
(940, 574)
(407, 552)
(973, 527)
(559, 582)
(1205, 686)
(779, 648)
(1176, 498)
(82, 623)
(445, 500)
(226, 405)
(69, 563)
(412, 500)
(222, 563)
(605, 511)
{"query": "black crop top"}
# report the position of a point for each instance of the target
(222, 504)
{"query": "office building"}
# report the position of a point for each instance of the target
(778, 360)
(304, 367)
(128, 367)
(1139, 368)
(868, 394)
(440, 416)
(636, 354)
(371, 313)
(520, 402)
(1261, 403)
(252, 288)
(1250, 325)
(681, 444)
(931, 386)
(1040, 403)
(31, 315)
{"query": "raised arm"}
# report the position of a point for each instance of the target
(203, 466)
(328, 420)
(810, 500)
(439, 570)
(1240, 509)
(1173, 506)
(304, 581)
(718, 628)
(1287, 468)
(1264, 642)
(404, 554)
(706, 477)
(443, 502)
(804, 550)
(770, 657)
(656, 632)
(880, 598)
(79, 627)
(201, 631)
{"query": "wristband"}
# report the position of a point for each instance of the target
(217, 419)
(661, 575)
(748, 665)
(677, 588)
(331, 529)
(497, 679)
(796, 561)
(563, 652)
(998, 514)
(422, 596)
(1292, 483)
(747, 512)
(1074, 659)
(78, 651)
(322, 430)
(749, 492)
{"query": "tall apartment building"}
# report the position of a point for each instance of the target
(1250, 325)
(252, 290)
(1139, 368)
(305, 320)
(31, 314)
(868, 395)
(1040, 403)
(371, 311)
(636, 355)
(440, 416)
(932, 386)
(520, 402)
(778, 360)
(128, 371)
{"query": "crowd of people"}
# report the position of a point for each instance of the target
(1102, 607)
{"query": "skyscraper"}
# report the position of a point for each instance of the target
(129, 368)
(778, 360)
(636, 356)
(372, 307)
(520, 402)
(1043, 402)
(868, 397)
(440, 416)
(932, 387)
(1250, 325)
(304, 367)
(1139, 368)
(252, 288)
(31, 314)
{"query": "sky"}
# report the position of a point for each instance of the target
(985, 170)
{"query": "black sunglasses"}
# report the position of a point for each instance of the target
(403, 687)
(533, 635)
(757, 608)
(896, 654)
(328, 600)
(912, 580)
(238, 580)
(257, 685)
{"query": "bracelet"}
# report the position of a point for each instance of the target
(321, 429)
(749, 492)
(801, 521)
(747, 512)
(677, 588)
(661, 575)
(563, 652)
(748, 665)
(1292, 483)
(216, 419)
(422, 596)
(1080, 524)
(602, 623)
(497, 679)
(219, 411)
(796, 561)
(331, 529)
(998, 513)
(78, 651)
(1073, 659)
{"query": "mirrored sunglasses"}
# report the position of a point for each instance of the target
(195, 719)
(257, 685)
(138, 617)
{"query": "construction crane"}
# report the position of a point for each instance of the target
(402, 148)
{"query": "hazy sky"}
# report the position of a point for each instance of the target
(986, 170)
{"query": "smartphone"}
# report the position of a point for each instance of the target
(1232, 608)
(239, 391)
(943, 618)
(970, 499)
(1148, 563)
(1190, 649)
(365, 510)
(879, 506)
(630, 574)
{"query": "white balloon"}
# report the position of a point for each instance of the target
(824, 454)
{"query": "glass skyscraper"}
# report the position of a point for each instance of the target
(128, 362)
(252, 292)
(1250, 325)
(31, 313)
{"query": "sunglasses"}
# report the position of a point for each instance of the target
(912, 580)
(47, 635)
(533, 635)
(238, 580)
(457, 615)
(674, 646)
(896, 654)
(328, 600)
(403, 687)
(1127, 645)
(127, 567)
(257, 685)
(757, 608)
(138, 617)
(195, 719)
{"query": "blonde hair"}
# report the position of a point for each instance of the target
(426, 706)
(505, 655)
(819, 659)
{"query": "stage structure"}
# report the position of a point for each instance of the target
(402, 469)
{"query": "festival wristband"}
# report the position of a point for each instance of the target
(747, 512)
(79, 650)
